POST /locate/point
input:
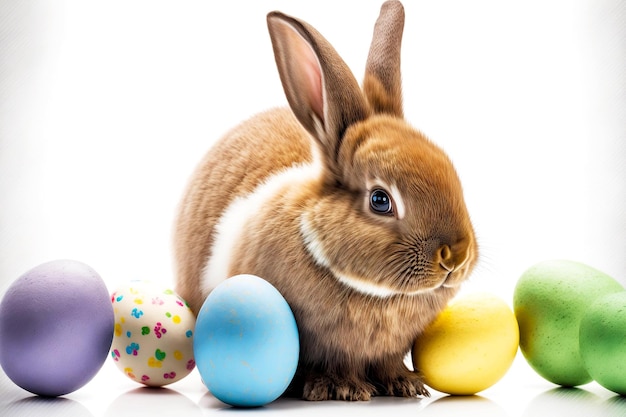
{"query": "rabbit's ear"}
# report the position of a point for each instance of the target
(320, 88)
(383, 81)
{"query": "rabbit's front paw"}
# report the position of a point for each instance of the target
(404, 383)
(322, 387)
(404, 386)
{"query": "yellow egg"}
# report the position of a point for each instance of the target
(469, 346)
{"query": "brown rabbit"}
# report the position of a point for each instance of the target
(353, 215)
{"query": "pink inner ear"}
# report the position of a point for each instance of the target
(312, 76)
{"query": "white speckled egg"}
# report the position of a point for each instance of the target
(153, 339)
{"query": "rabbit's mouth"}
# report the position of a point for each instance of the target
(454, 279)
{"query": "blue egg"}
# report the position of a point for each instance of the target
(246, 342)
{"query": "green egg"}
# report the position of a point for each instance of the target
(549, 301)
(603, 341)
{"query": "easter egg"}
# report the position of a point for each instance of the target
(469, 347)
(603, 341)
(549, 301)
(154, 329)
(246, 342)
(56, 326)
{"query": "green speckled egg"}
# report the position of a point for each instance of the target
(603, 341)
(549, 301)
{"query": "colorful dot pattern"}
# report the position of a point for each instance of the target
(153, 334)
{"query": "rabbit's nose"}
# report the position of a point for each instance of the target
(453, 258)
(444, 257)
(459, 261)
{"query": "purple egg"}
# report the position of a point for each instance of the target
(56, 327)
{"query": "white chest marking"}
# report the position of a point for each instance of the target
(229, 230)
(375, 290)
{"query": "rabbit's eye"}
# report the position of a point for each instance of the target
(380, 202)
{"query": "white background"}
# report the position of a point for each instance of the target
(107, 107)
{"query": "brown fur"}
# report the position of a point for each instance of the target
(352, 345)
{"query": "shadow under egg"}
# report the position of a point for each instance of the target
(150, 402)
(614, 406)
(571, 402)
(46, 406)
(467, 406)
